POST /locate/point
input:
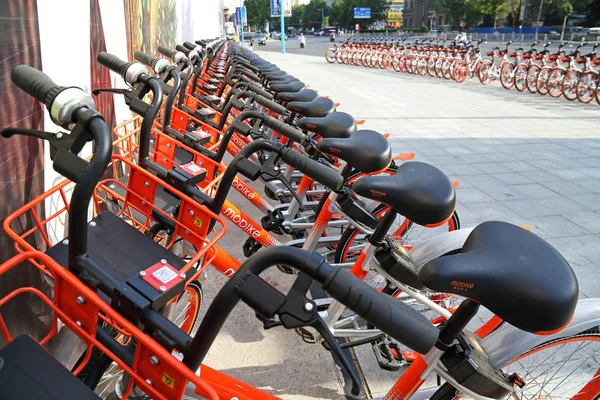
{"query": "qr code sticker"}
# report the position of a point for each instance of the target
(164, 274)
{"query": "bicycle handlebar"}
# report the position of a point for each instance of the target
(288, 131)
(256, 89)
(129, 71)
(271, 105)
(156, 63)
(315, 170)
(391, 316)
(61, 102)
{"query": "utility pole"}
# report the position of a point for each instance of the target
(322, 18)
(537, 28)
(242, 20)
(281, 8)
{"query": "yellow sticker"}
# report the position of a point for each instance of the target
(198, 221)
(167, 380)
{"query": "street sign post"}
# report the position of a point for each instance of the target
(276, 7)
(362, 12)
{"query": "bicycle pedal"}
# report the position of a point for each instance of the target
(388, 354)
(251, 246)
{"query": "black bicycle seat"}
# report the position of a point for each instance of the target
(303, 95)
(274, 74)
(419, 191)
(287, 87)
(366, 151)
(337, 125)
(319, 107)
(514, 273)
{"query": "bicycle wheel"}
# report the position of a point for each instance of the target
(542, 80)
(566, 368)
(532, 74)
(485, 72)
(570, 84)
(330, 56)
(398, 63)
(448, 69)
(521, 77)
(439, 63)
(431, 65)
(586, 87)
(555, 82)
(507, 75)
(460, 71)
(339, 56)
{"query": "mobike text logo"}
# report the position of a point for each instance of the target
(237, 141)
(244, 189)
(377, 193)
(333, 150)
(242, 223)
(464, 286)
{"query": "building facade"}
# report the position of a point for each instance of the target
(394, 13)
(414, 14)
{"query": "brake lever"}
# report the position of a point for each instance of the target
(96, 92)
(272, 171)
(297, 311)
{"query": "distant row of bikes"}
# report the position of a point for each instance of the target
(573, 75)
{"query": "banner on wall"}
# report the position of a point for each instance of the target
(241, 17)
(276, 8)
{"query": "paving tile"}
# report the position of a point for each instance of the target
(544, 207)
(588, 220)
(464, 169)
(519, 166)
(540, 176)
(472, 195)
(492, 168)
(589, 185)
(533, 191)
(511, 178)
(554, 226)
(565, 188)
(589, 200)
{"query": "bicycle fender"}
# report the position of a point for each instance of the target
(507, 342)
(438, 246)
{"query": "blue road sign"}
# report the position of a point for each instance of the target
(362, 12)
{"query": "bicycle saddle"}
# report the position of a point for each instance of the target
(514, 273)
(287, 87)
(273, 74)
(337, 125)
(319, 107)
(365, 150)
(304, 95)
(419, 191)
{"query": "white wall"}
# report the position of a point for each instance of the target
(199, 19)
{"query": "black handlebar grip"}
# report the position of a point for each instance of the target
(271, 105)
(165, 51)
(250, 75)
(190, 45)
(284, 129)
(113, 63)
(183, 49)
(260, 91)
(145, 59)
(35, 83)
(398, 320)
(313, 169)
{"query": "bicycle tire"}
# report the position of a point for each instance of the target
(532, 74)
(521, 77)
(570, 81)
(448, 392)
(330, 56)
(431, 65)
(485, 77)
(460, 71)
(542, 80)
(555, 80)
(587, 83)
(449, 69)
(507, 75)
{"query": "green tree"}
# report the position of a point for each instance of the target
(592, 12)
(258, 11)
(342, 12)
